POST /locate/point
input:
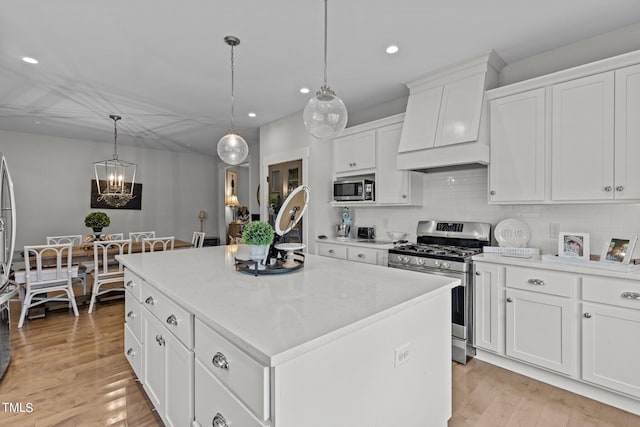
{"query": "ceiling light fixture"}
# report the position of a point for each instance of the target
(232, 148)
(325, 115)
(392, 49)
(115, 177)
(304, 90)
(29, 60)
(252, 115)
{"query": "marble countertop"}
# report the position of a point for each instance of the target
(275, 318)
(380, 244)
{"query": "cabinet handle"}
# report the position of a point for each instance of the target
(630, 295)
(587, 315)
(509, 299)
(619, 188)
(149, 301)
(219, 421)
(478, 273)
(493, 193)
(130, 284)
(172, 320)
(331, 251)
(607, 188)
(131, 314)
(362, 256)
(404, 196)
(160, 340)
(537, 282)
(220, 361)
(130, 352)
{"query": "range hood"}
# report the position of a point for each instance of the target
(445, 124)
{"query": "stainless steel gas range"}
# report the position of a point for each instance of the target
(445, 248)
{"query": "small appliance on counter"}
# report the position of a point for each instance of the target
(353, 190)
(343, 230)
(367, 233)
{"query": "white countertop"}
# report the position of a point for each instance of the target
(276, 317)
(354, 242)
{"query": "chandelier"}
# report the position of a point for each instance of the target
(115, 177)
(232, 148)
(325, 115)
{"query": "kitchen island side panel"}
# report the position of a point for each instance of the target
(358, 378)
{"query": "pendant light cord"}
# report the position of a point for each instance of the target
(325, 43)
(115, 137)
(232, 90)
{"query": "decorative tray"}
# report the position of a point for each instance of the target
(257, 269)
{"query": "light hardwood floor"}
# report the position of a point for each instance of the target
(73, 371)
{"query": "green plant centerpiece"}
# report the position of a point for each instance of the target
(97, 221)
(259, 236)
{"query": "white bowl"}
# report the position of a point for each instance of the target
(396, 235)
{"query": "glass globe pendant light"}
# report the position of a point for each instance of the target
(325, 115)
(232, 148)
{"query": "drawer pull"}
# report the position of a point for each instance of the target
(537, 282)
(630, 295)
(219, 421)
(130, 352)
(331, 251)
(619, 188)
(362, 256)
(220, 361)
(130, 284)
(607, 188)
(160, 340)
(149, 301)
(509, 299)
(587, 315)
(131, 315)
(172, 320)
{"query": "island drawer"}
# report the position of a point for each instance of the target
(248, 379)
(133, 352)
(132, 315)
(366, 255)
(543, 281)
(133, 284)
(171, 315)
(213, 400)
(605, 290)
(333, 251)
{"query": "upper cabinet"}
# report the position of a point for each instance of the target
(356, 152)
(394, 186)
(568, 137)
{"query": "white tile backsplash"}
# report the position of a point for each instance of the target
(462, 195)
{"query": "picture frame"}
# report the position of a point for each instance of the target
(231, 183)
(573, 245)
(619, 248)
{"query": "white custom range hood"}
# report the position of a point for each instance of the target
(445, 124)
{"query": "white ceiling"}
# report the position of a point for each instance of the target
(163, 64)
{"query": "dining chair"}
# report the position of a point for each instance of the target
(106, 269)
(158, 244)
(114, 236)
(137, 236)
(75, 240)
(198, 239)
(41, 280)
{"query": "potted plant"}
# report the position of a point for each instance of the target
(97, 221)
(259, 236)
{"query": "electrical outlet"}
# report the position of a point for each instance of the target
(554, 229)
(402, 355)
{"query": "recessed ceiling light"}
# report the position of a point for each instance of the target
(38, 123)
(29, 60)
(251, 114)
(392, 49)
(304, 90)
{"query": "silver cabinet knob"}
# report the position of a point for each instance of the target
(149, 301)
(331, 251)
(587, 315)
(130, 284)
(607, 188)
(509, 299)
(537, 282)
(130, 352)
(172, 320)
(160, 340)
(478, 273)
(362, 256)
(630, 295)
(220, 361)
(619, 188)
(219, 421)
(131, 315)
(493, 193)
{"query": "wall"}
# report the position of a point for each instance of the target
(52, 183)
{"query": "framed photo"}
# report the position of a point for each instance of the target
(574, 245)
(619, 249)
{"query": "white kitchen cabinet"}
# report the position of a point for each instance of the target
(394, 186)
(133, 342)
(354, 154)
(627, 134)
(357, 253)
(517, 170)
(488, 310)
(582, 139)
(333, 250)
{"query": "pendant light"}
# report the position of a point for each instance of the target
(325, 115)
(115, 177)
(232, 148)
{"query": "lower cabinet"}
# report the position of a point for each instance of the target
(488, 310)
(354, 253)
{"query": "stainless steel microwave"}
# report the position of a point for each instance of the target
(353, 190)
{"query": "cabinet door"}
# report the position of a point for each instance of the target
(488, 309)
(421, 119)
(364, 150)
(154, 357)
(582, 139)
(627, 140)
(179, 383)
(539, 329)
(610, 347)
(343, 154)
(517, 167)
(459, 118)
(392, 185)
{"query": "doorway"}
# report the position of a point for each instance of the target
(282, 179)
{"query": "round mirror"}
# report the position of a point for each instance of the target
(292, 210)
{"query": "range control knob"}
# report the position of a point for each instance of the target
(436, 263)
(445, 265)
(420, 261)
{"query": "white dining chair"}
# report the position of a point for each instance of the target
(75, 240)
(158, 244)
(113, 236)
(137, 236)
(197, 241)
(43, 284)
(106, 269)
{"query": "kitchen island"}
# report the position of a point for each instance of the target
(333, 343)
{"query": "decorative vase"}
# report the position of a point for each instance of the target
(258, 252)
(97, 231)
